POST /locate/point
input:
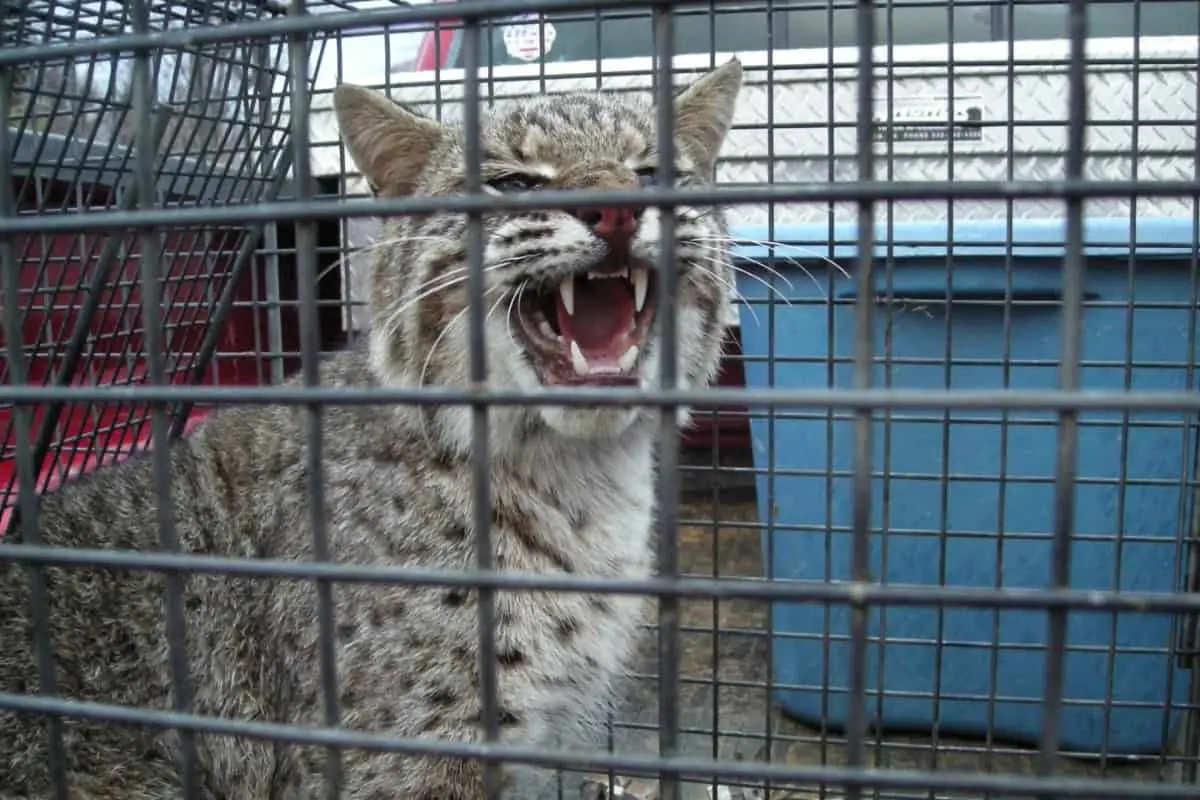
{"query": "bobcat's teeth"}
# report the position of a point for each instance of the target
(594, 275)
(578, 362)
(628, 359)
(641, 279)
(545, 329)
(566, 290)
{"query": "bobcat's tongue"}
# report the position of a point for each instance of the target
(603, 315)
(596, 319)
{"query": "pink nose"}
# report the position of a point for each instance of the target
(613, 225)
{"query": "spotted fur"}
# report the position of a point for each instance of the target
(571, 493)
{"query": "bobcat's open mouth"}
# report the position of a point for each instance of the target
(591, 328)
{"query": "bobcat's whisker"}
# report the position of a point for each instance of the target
(808, 251)
(433, 348)
(756, 262)
(743, 271)
(454, 320)
(427, 412)
(512, 304)
(728, 284)
(443, 281)
(373, 246)
(774, 272)
(457, 275)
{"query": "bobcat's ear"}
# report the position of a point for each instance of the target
(704, 112)
(389, 144)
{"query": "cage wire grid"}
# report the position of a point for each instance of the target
(289, 230)
(217, 133)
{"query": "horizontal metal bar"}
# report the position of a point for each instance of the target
(690, 767)
(1050, 399)
(127, 43)
(881, 191)
(337, 23)
(857, 594)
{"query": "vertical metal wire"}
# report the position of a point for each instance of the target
(1127, 384)
(491, 69)
(257, 296)
(310, 343)
(150, 243)
(1184, 568)
(943, 532)
(1002, 483)
(599, 43)
(1188, 551)
(1069, 379)
(271, 269)
(39, 611)
(715, 506)
(349, 252)
(438, 55)
(833, 311)
(856, 721)
(481, 497)
(772, 413)
(889, 345)
(273, 295)
(668, 440)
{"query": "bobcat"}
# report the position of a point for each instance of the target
(571, 301)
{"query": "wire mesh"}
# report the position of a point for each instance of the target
(219, 134)
(932, 536)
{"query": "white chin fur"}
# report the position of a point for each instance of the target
(603, 422)
(588, 423)
(575, 422)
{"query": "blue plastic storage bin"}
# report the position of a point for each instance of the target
(931, 530)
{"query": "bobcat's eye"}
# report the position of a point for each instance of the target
(646, 175)
(513, 182)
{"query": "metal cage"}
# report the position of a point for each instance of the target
(934, 533)
(218, 134)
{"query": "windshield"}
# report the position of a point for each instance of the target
(741, 27)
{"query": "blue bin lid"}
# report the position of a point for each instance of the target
(1163, 238)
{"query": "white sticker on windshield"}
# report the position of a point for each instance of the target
(528, 38)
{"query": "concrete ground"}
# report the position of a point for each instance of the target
(737, 707)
